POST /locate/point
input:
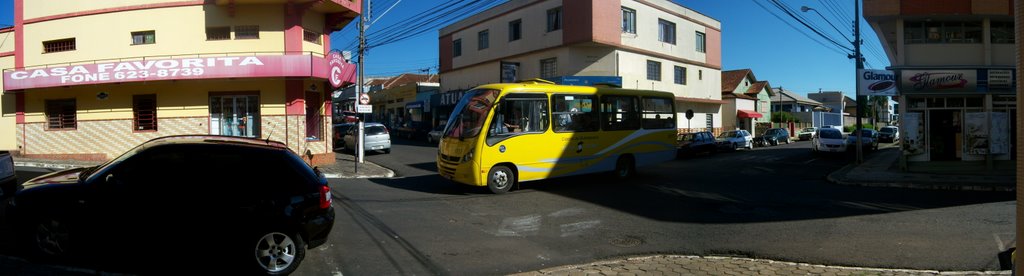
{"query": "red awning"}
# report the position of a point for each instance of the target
(748, 114)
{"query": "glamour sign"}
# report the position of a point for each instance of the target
(940, 80)
(168, 69)
(876, 82)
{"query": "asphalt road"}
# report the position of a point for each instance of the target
(769, 203)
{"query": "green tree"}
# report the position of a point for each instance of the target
(781, 117)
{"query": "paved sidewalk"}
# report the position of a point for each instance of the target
(882, 170)
(342, 167)
(696, 265)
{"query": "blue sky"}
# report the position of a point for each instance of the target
(751, 38)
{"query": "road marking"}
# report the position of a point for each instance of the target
(519, 226)
(566, 212)
(577, 228)
(809, 161)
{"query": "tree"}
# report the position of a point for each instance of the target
(781, 117)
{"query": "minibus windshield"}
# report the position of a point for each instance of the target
(470, 113)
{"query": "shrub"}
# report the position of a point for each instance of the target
(850, 128)
(779, 117)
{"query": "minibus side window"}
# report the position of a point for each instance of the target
(574, 113)
(658, 113)
(518, 114)
(619, 113)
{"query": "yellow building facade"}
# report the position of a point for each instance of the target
(91, 79)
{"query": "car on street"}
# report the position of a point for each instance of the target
(412, 129)
(690, 144)
(376, 137)
(868, 139)
(340, 130)
(735, 139)
(828, 140)
(889, 134)
(836, 127)
(806, 133)
(253, 203)
(8, 180)
(772, 136)
(434, 135)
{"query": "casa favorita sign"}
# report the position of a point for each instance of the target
(340, 72)
(171, 69)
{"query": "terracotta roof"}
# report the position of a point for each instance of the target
(731, 79)
(759, 86)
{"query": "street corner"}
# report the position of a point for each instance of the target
(346, 168)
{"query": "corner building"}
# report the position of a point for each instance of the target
(955, 68)
(637, 44)
(91, 79)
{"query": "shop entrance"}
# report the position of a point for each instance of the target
(944, 131)
(235, 115)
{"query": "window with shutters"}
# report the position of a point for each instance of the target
(61, 114)
(144, 112)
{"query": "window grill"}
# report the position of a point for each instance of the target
(310, 36)
(60, 45)
(60, 114)
(247, 32)
(218, 33)
(144, 109)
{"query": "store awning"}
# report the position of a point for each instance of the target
(748, 114)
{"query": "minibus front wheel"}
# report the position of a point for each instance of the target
(500, 179)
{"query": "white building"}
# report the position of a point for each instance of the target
(653, 44)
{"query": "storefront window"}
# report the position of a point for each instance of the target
(235, 115)
(942, 32)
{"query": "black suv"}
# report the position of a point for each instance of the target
(772, 136)
(243, 205)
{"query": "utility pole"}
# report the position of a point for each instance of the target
(860, 65)
(359, 90)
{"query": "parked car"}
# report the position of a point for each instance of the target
(376, 137)
(411, 130)
(694, 143)
(255, 203)
(434, 135)
(889, 134)
(868, 138)
(828, 140)
(8, 181)
(735, 139)
(806, 133)
(340, 130)
(772, 136)
(836, 127)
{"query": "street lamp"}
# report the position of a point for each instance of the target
(806, 8)
(860, 65)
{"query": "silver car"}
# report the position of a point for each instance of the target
(376, 136)
(434, 135)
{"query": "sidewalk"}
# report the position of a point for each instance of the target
(342, 167)
(696, 265)
(882, 170)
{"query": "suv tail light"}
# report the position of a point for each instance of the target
(325, 197)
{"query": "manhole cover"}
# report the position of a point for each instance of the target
(627, 241)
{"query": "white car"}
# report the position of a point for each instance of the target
(889, 133)
(434, 136)
(828, 140)
(735, 139)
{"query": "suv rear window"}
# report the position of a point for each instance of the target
(375, 130)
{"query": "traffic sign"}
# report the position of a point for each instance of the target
(364, 99)
(364, 108)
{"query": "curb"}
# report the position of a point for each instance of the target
(765, 261)
(832, 177)
(388, 174)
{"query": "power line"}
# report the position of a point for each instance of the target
(797, 29)
(782, 7)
